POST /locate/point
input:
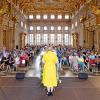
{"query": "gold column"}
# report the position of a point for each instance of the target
(96, 11)
(2, 12)
(1, 33)
(98, 38)
(13, 33)
(7, 38)
(98, 31)
(88, 39)
(22, 40)
(84, 37)
(10, 38)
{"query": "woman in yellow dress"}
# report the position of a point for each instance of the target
(49, 78)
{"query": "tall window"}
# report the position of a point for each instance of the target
(22, 24)
(66, 39)
(76, 24)
(45, 38)
(72, 26)
(25, 26)
(52, 28)
(59, 28)
(31, 28)
(45, 16)
(72, 16)
(66, 28)
(52, 17)
(38, 28)
(66, 16)
(31, 39)
(38, 38)
(38, 16)
(59, 16)
(52, 38)
(30, 16)
(59, 38)
(45, 28)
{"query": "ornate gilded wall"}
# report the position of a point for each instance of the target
(88, 26)
(10, 24)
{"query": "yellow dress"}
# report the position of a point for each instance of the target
(49, 78)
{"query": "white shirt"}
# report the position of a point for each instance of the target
(17, 60)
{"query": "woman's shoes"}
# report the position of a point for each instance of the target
(49, 93)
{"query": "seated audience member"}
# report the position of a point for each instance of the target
(97, 61)
(11, 62)
(81, 63)
(75, 62)
(92, 61)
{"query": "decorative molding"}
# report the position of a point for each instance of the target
(96, 10)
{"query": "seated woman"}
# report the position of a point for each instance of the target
(97, 62)
(4, 63)
(92, 61)
(24, 59)
(11, 63)
(64, 60)
(81, 63)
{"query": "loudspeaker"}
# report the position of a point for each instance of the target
(20, 75)
(83, 75)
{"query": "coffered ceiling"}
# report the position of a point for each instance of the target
(31, 6)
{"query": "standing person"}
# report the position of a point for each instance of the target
(75, 62)
(49, 78)
(59, 55)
